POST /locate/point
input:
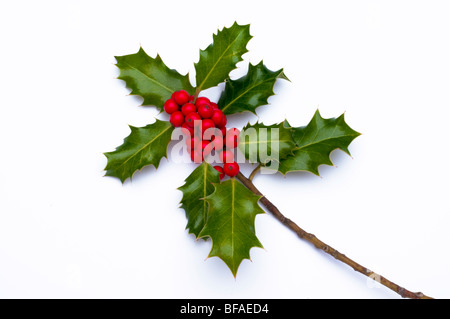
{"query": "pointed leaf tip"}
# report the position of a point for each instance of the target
(250, 91)
(151, 78)
(231, 223)
(144, 146)
(221, 57)
(316, 141)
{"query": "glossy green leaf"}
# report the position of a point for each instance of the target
(231, 223)
(316, 141)
(221, 57)
(151, 78)
(144, 146)
(197, 186)
(249, 91)
(261, 143)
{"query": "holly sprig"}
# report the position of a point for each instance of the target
(219, 201)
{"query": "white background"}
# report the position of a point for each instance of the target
(68, 232)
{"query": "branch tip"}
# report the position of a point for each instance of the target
(405, 293)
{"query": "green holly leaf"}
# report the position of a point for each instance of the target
(221, 57)
(316, 141)
(144, 146)
(249, 91)
(197, 186)
(261, 143)
(231, 223)
(151, 78)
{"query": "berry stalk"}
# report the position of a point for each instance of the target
(403, 292)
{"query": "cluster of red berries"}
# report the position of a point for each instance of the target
(204, 125)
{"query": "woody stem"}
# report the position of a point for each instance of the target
(253, 173)
(405, 293)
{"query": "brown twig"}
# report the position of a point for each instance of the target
(405, 293)
(253, 173)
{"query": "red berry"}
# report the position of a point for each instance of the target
(217, 117)
(198, 128)
(206, 124)
(188, 131)
(188, 108)
(181, 97)
(233, 131)
(202, 101)
(231, 169)
(191, 118)
(205, 111)
(232, 138)
(226, 156)
(177, 118)
(223, 130)
(205, 143)
(196, 156)
(224, 122)
(210, 135)
(214, 106)
(218, 143)
(207, 147)
(191, 98)
(193, 143)
(220, 170)
(216, 138)
(189, 143)
(170, 106)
